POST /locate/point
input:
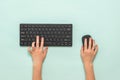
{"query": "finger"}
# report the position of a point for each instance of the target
(96, 49)
(33, 45)
(90, 40)
(93, 45)
(42, 42)
(37, 41)
(29, 50)
(45, 51)
(85, 43)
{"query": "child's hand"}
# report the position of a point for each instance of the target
(88, 53)
(38, 52)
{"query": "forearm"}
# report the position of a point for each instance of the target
(37, 72)
(89, 71)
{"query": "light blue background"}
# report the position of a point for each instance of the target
(100, 18)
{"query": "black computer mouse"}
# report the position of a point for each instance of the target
(86, 37)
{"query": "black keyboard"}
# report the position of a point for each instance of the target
(54, 34)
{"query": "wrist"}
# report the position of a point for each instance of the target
(88, 64)
(37, 67)
(36, 64)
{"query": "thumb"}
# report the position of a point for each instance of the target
(45, 51)
(81, 51)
